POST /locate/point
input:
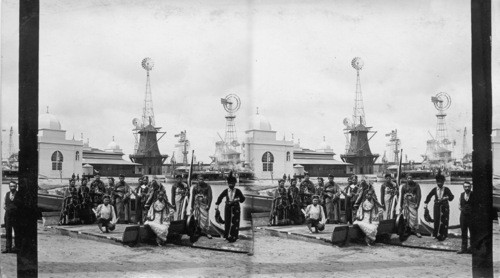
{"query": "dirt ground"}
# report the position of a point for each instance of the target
(63, 256)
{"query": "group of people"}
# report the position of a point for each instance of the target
(290, 205)
(110, 204)
(317, 205)
(80, 203)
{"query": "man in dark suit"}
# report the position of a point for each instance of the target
(465, 215)
(12, 206)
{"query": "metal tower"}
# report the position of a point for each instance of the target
(394, 144)
(146, 151)
(231, 104)
(358, 152)
(465, 147)
(11, 141)
(148, 115)
(183, 146)
(442, 102)
(358, 115)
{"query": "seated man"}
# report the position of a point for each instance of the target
(315, 215)
(106, 215)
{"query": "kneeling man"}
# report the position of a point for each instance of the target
(315, 216)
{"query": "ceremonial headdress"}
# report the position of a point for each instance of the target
(331, 176)
(178, 176)
(440, 177)
(231, 179)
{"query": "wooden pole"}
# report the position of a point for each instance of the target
(27, 261)
(481, 228)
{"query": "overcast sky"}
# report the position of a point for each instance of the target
(292, 61)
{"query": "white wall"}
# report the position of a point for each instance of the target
(280, 166)
(69, 164)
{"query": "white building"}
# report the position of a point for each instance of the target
(58, 157)
(268, 157)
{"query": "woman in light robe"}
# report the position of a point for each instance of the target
(158, 217)
(367, 216)
(332, 201)
(388, 192)
(411, 196)
(200, 206)
(180, 192)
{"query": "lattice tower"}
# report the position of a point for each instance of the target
(359, 110)
(148, 116)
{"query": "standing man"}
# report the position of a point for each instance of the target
(306, 191)
(332, 201)
(86, 215)
(73, 176)
(179, 193)
(121, 196)
(280, 208)
(388, 191)
(70, 213)
(200, 206)
(232, 210)
(465, 215)
(141, 195)
(78, 177)
(97, 190)
(442, 196)
(411, 197)
(296, 216)
(350, 192)
(12, 205)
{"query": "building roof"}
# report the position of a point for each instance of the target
(108, 161)
(48, 121)
(319, 162)
(259, 122)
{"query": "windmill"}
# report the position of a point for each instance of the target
(357, 142)
(442, 102)
(146, 151)
(231, 104)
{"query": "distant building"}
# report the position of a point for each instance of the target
(110, 162)
(268, 157)
(58, 157)
(321, 162)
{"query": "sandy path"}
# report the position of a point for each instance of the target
(62, 256)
